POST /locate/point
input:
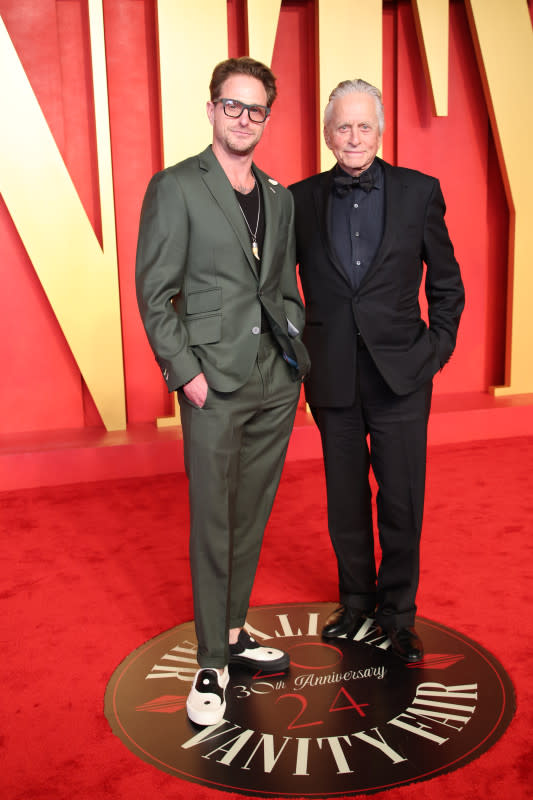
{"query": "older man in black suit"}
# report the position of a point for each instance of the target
(364, 230)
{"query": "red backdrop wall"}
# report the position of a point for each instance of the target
(41, 385)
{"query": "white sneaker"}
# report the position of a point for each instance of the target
(206, 702)
(249, 653)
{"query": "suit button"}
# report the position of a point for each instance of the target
(256, 330)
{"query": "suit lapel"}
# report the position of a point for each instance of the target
(271, 208)
(394, 189)
(218, 184)
(322, 197)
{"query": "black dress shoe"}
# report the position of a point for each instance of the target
(344, 620)
(406, 645)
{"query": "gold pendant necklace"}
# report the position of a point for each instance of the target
(253, 234)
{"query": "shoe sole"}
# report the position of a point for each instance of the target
(407, 660)
(206, 717)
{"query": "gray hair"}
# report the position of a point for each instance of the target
(353, 86)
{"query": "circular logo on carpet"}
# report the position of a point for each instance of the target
(348, 717)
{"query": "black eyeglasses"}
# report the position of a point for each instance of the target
(234, 108)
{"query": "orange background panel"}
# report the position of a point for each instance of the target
(42, 389)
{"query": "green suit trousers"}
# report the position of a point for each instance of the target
(235, 447)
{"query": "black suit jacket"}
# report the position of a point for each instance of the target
(385, 307)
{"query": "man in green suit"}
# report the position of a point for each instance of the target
(217, 292)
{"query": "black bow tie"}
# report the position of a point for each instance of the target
(345, 184)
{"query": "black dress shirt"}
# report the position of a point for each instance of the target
(356, 224)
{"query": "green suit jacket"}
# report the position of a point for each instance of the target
(198, 287)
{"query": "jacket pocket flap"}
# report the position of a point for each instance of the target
(204, 330)
(204, 300)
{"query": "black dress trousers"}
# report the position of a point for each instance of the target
(387, 432)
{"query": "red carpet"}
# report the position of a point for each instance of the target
(91, 571)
